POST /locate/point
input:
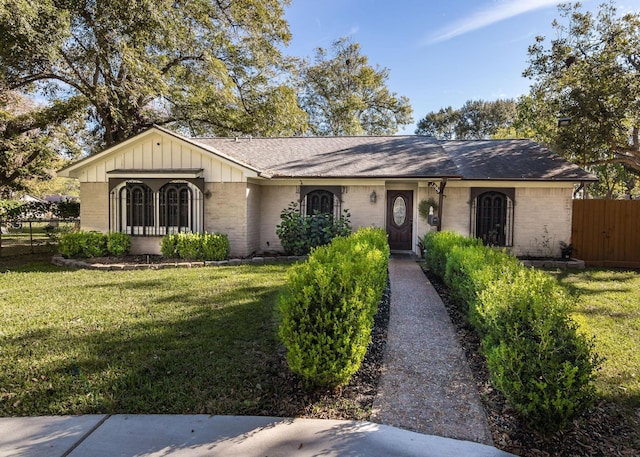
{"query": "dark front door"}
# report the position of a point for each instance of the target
(400, 219)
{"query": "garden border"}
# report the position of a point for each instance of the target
(88, 265)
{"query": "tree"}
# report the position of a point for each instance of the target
(590, 74)
(477, 119)
(440, 124)
(344, 95)
(32, 138)
(202, 65)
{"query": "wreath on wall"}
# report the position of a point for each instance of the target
(425, 206)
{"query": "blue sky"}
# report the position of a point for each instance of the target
(439, 53)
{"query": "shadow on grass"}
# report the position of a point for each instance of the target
(582, 282)
(205, 358)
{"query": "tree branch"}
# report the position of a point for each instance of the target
(179, 60)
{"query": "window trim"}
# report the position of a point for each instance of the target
(509, 195)
(336, 191)
(155, 193)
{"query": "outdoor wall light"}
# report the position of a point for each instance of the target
(207, 194)
(373, 197)
(564, 121)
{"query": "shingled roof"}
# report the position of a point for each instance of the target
(339, 157)
(397, 157)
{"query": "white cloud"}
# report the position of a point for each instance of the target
(486, 17)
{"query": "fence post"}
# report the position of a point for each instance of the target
(31, 236)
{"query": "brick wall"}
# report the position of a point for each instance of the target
(226, 212)
(273, 200)
(424, 193)
(94, 207)
(542, 219)
(254, 199)
(455, 209)
(364, 213)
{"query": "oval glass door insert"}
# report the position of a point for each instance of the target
(399, 211)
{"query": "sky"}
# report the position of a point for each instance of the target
(439, 53)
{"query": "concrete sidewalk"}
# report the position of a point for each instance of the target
(229, 436)
(426, 387)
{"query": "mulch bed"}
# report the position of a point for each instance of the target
(351, 402)
(605, 430)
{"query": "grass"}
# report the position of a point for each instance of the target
(166, 341)
(609, 308)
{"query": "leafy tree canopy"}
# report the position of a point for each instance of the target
(33, 137)
(477, 119)
(591, 74)
(344, 95)
(202, 65)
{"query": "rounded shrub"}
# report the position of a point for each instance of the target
(535, 353)
(328, 308)
(83, 244)
(300, 233)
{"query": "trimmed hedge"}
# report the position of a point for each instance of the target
(93, 244)
(471, 269)
(195, 246)
(118, 243)
(328, 307)
(437, 246)
(535, 354)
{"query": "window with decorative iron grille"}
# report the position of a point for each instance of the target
(492, 216)
(322, 200)
(156, 209)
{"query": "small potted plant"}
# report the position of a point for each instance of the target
(566, 250)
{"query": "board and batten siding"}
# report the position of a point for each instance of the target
(158, 152)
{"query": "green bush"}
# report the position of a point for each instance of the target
(10, 209)
(195, 246)
(66, 209)
(169, 246)
(438, 245)
(299, 233)
(83, 244)
(328, 308)
(535, 354)
(469, 270)
(118, 243)
(215, 246)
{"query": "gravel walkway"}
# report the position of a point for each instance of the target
(426, 384)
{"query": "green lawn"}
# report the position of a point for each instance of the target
(196, 340)
(609, 308)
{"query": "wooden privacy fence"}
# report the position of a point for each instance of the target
(607, 232)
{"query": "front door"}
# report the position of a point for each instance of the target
(400, 219)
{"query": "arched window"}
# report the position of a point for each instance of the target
(156, 207)
(319, 201)
(176, 203)
(493, 221)
(138, 209)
